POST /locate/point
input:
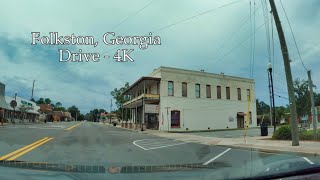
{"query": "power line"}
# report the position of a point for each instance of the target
(200, 14)
(240, 43)
(294, 39)
(254, 38)
(236, 32)
(282, 97)
(130, 16)
(266, 16)
(186, 19)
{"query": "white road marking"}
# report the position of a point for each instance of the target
(167, 146)
(135, 143)
(150, 144)
(308, 160)
(219, 155)
(268, 169)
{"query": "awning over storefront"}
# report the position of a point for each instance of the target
(134, 104)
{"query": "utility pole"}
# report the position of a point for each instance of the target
(272, 97)
(270, 114)
(32, 89)
(313, 113)
(287, 68)
(110, 112)
(168, 118)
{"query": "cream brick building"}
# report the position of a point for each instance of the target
(172, 99)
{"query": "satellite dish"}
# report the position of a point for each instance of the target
(13, 103)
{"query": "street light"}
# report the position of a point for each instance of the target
(269, 66)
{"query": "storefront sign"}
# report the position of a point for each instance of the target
(151, 108)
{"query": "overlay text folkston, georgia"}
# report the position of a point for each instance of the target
(108, 38)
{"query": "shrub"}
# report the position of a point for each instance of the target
(283, 133)
(308, 135)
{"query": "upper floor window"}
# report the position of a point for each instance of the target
(208, 91)
(248, 94)
(197, 90)
(184, 89)
(170, 88)
(218, 92)
(239, 93)
(228, 92)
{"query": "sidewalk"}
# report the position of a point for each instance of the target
(259, 143)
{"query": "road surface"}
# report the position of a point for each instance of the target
(94, 145)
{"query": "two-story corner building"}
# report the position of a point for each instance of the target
(172, 99)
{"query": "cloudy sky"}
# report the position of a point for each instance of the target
(217, 40)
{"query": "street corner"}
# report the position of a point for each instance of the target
(151, 144)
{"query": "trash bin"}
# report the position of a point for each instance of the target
(114, 124)
(264, 129)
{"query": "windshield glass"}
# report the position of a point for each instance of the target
(166, 89)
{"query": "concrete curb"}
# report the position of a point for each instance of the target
(134, 130)
(266, 150)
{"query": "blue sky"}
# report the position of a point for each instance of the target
(196, 44)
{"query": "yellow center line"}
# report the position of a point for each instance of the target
(28, 150)
(69, 128)
(21, 149)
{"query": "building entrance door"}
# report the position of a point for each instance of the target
(240, 120)
(152, 121)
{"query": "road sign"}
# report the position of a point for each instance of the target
(13, 103)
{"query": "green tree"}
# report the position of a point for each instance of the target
(81, 117)
(74, 111)
(58, 104)
(281, 111)
(262, 107)
(40, 101)
(47, 101)
(117, 94)
(302, 95)
(317, 99)
(94, 114)
(58, 107)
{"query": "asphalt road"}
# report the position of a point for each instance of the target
(94, 145)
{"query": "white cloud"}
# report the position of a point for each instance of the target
(193, 44)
